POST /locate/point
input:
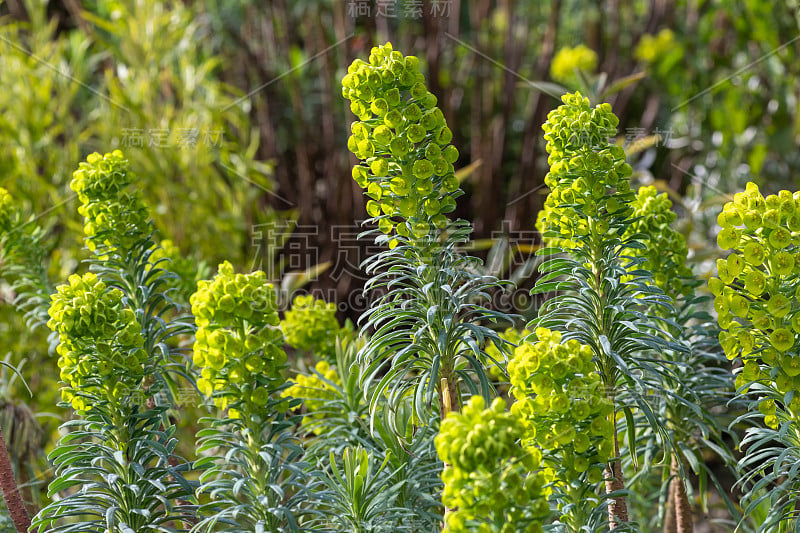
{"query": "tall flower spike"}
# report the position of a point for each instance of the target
(588, 179)
(666, 250)
(403, 143)
(115, 218)
(560, 398)
(98, 336)
(756, 295)
(489, 478)
(237, 345)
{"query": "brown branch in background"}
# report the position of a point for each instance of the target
(17, 11)
(491, 193)
(11, 495)
(305, 191)
(433, 52)
(525, 179)
(481, 110)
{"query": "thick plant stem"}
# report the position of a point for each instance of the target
(448, 397)
(14, 503)
(683, 510)
(670, 521)
(448, 402)
(617, 507)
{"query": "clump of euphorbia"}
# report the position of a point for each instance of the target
(100, 342)
(311, 325)
(403, 142)
(314, 389)
(590, 191)
(666, 250)
(756, 294)
(115, 217)
(238, 346)
(491, 482)
(560, 397)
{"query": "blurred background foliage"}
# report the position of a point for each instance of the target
(231, 116)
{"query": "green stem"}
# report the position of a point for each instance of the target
(618, 508)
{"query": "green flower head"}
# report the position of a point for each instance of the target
(237, 344)
(115, 219)
(100, 341)
(402, 140)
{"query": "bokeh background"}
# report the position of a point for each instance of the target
(232, 118)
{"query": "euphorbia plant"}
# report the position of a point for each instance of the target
(430, 324)
(603, 299)
(115, 328)
(757, 299)
(492, 482)
(701, 373)
(255, 479)
(562, 403)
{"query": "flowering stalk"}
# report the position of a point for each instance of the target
(238, 348)
(561, 400)
(603, 300)
(428, 322)
(757, 300)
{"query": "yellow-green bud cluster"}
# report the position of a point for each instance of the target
(237, 344)
(588, 177)
(100, 341)
(114, 217)
(7, 210)
(561, 399)
(488, 477)
(314, 390)
(666, 250)
(568, 59)
(311, 325)
(756, 291)
(403, 143)
(652, 48)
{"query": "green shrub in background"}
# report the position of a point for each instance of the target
(142, 76)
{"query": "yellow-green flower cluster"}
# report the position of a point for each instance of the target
(560, 398)
(488, 477)
(314, 390)
(403, 143)
(114, 217)
(7, 210)
(100, 341)
(311, 325)
(756, 291)
(237, 344)
(567, 60)
(666, 250)
(588, 177)
(651, 48)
